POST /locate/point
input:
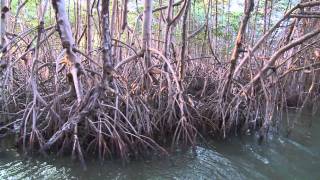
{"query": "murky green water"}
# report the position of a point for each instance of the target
(296, 157)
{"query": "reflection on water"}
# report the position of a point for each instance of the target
(296, 157)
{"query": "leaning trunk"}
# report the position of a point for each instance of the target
(68, 43)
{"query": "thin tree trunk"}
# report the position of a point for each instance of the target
(146, 34)
(216, 25)
(89, 28)
(124, 15)
(78, 21)
(168, 29)
(265, 19)
(249, 4)
(106, 44)
(184, 43)
(228, 41)
(3, 41)
(4, 10)
(68, 43)
(114, 16)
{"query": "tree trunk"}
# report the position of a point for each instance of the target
(146, 34)
(184, 42)
(89, 28)
(68, 43)
(3, 39)
(4, 10)
(106, 44)
(168, 29)
(249, 4)
(124, 15)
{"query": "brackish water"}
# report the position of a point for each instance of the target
(279, 157)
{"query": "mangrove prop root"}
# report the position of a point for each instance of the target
(138, 93)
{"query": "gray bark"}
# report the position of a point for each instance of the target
(68, 43)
